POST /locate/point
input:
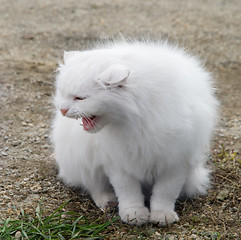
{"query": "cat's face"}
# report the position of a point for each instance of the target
(92, 90)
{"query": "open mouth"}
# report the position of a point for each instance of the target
(89, 123)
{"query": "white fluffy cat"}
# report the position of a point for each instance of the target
(148, 112)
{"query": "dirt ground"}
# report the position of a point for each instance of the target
(33, 36)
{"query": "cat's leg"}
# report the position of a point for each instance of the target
(197, 182)
(131, 200)
(100, 189)
(93, 180)
(165, 191)
(103, 197)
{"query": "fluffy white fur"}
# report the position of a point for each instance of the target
(149, 111)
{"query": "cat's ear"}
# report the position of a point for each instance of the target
(115, 75)
(68, 55)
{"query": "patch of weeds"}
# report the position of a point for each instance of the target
(58, 225)
(210, 235)
(195, 219)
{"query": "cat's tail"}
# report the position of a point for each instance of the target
(197, 182)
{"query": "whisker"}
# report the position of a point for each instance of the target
(88, 119)
(79, 118)
(95, 122)
(89, 122)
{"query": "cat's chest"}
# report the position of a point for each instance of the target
(138, 157)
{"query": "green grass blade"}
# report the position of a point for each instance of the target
(57, 210)
(58, 225)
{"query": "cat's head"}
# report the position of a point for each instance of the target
(93, 86)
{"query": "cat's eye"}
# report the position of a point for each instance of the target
(79, 98)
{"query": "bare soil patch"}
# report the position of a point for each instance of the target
(33, 36)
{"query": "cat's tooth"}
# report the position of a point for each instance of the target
(81, 122)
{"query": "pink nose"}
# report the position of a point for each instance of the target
(64, 111)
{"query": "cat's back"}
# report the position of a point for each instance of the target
(162, 68)
(144, 52)
(158, 61)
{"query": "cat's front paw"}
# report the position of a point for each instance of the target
(163, 218)
(135, 216)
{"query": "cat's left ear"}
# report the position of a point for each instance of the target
(68, 55)
(115, 75)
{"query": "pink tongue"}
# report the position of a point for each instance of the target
(88, 123)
